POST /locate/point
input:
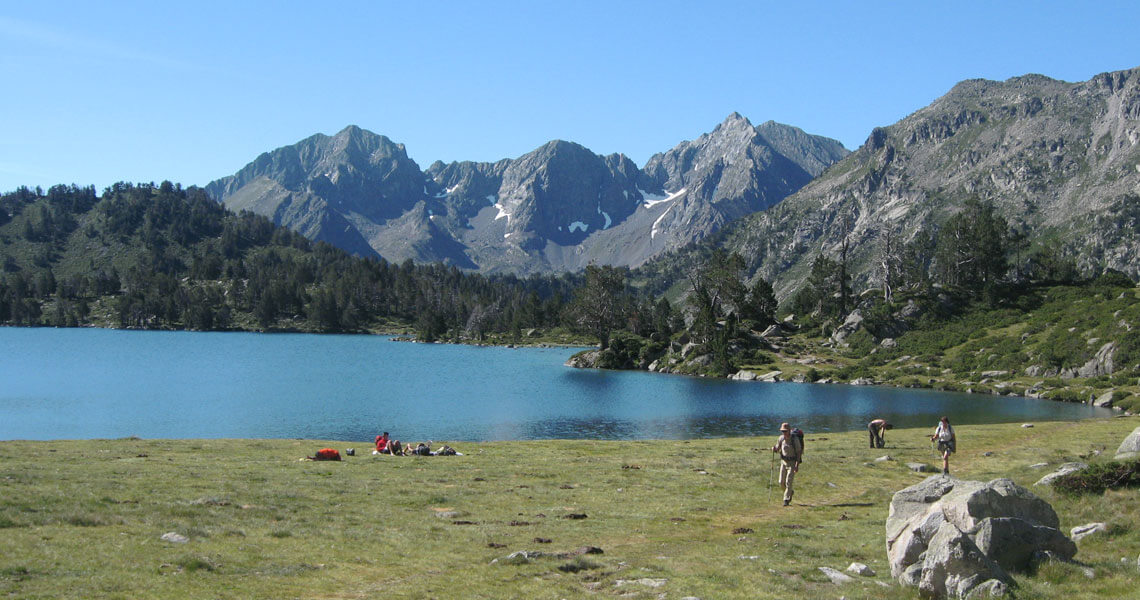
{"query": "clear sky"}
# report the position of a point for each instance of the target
(99, 92)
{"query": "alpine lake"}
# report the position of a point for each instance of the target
(97, 383)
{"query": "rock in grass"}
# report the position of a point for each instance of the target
(918, 467)
(860, 569)
(885, 458)
(1130, 448)
(174, 538)
(835, 576)
(1061, 471)
(646, 581)
(1083, 531)
(951, 537)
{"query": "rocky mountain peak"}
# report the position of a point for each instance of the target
(557, 207)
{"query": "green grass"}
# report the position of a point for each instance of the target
(84, 518)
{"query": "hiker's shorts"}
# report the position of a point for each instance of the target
(944, 447)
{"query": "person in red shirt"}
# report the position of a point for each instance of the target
(382, 443)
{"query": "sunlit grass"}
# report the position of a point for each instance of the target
(85, 518)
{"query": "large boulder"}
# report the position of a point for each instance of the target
(1013, 543)
(953, 565)
(1130, 448)
(1101, 364)
(949, 536)
(851, 324)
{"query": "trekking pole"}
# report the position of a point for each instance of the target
(771, 475)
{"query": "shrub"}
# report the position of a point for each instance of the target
(1100, 477)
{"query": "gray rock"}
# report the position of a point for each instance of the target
(950, 536)
(174, 538)
(1083, 531)
(988, 589)
(889, 343)
(703, 360)
(646, 581)
(836, 577)
(860, 569)
(885, 458)
(770, 377)
(1038, 466)
(994, 373)
(1012, 542)
(1104, 400)
(744, 375)
(1033, 370)
(1101, 363)
(1026, 425)
(918, 467)
(851, 324)
(966, 507)
(1061, 471)
(583, 360)
(954, 565)
(1130, 448)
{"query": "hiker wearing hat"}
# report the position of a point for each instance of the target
(791, 451)
(875, 429)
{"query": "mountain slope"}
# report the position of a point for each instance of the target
(556, 208)
(1060, 161)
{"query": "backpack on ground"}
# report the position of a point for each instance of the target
(327, 454)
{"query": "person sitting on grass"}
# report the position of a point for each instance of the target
(381, 444)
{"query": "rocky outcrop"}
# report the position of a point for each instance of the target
(949, 536)
(1130, 448)
(1101, 363)
(587, 359)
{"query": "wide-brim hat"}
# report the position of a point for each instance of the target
(785, 427)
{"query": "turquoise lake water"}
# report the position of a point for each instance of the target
(95, 383)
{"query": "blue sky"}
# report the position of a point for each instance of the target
(99, 92)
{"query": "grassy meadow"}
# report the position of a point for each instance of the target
(674, 519)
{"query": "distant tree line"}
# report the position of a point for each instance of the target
(166, 257)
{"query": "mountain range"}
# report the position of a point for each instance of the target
(556, 208)
(1060, 162)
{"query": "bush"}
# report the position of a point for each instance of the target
(1100, 477)
(1065, 395)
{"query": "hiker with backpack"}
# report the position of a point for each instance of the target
(875, 429)
(947, 442)
(791, 448)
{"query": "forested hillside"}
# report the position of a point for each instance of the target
(164, 257)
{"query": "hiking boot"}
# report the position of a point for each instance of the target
(945, 471)
(787, 502)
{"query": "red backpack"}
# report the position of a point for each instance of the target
(327, 454)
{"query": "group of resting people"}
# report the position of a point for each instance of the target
(791, 448)
(386, 445)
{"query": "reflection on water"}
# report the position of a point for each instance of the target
(71, 383)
